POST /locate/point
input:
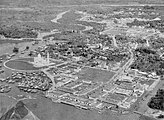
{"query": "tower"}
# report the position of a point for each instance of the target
(38, 59)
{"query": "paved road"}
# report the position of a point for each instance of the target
(121, 71)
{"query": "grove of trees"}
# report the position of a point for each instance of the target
(149, 61)
(157, 102)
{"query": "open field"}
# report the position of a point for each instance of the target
(20, 65)
(7, 73)
(8, 47)
(95, 75)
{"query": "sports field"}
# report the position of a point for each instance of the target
(20, 64)
(95, 75)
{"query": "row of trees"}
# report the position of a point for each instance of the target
(16, 49)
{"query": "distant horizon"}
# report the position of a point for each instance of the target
(31, 3)
(85, 4)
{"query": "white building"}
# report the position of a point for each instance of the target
(40, 61)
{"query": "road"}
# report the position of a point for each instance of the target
(121, 70)
(118, 73)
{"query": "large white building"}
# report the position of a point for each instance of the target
(40, 61)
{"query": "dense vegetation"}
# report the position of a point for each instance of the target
(156, 24)
(156, 43)
(147, 60)
(15, 32)
(121, 39)
(157, 102)
(15, 50)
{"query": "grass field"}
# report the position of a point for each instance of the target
(20, 65)
(30, 59)
(8, 47)
(95, 75)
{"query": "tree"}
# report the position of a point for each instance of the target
(157, 102)
(160, 116)
(31, 53)
(16, 50)
(27, 47)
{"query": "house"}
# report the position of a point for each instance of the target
(139, 88)
(125, 105)
(126, 78)
(77, 58)
(123, 91)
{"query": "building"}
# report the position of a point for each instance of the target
(77, 58)
(40, 61)
(123, 91)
